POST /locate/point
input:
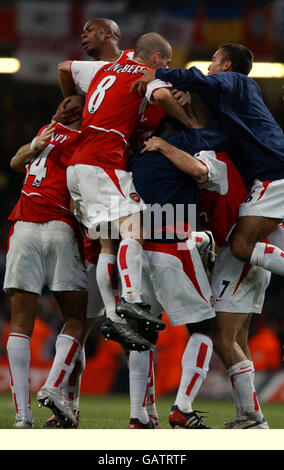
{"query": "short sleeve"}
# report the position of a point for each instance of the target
(155, 85)
(217, 177)
(83, 72)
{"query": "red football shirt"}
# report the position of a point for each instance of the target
(111, 112)
(45, 194)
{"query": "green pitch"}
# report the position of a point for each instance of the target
(112, 412)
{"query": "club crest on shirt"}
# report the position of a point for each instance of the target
(135, 197)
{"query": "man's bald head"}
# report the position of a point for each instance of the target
(107, 24)
(101, 36)
(151, 43)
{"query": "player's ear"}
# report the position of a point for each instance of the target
(157, 56)
(227, 66)
(108, 33)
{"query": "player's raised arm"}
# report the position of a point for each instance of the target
(191, 79)
(182, 160)
(167, 101)
(28, 151)
(65, 78)
(75, 76)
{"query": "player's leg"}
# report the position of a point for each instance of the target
(247, 245)
(115, 328)
(242, 340)
(195, 366)
(237, 364)
(180, 281)
(228, 327)
(71, 389)
(238, 287)
(129, 261)
(68, 360)
(24, 279)
(23, 313)
(107, 277)
(243, 336)
(140, 376)
(259, 215)
(143, 412)
(67, 279)
(151, 401)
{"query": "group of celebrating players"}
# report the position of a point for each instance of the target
(125, 139)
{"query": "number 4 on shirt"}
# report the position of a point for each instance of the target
(37, 168)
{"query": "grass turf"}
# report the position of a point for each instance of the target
(112, 412)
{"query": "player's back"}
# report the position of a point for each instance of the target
(45, 194)
(168, 192)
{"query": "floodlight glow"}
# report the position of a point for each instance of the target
(9, 65)
(259, 69)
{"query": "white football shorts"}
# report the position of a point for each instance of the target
(102, 195)
(237, 286)
(42, 254)
(174, 281)
(264, 200)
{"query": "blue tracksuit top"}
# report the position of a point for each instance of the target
(256, 141)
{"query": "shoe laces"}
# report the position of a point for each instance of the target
(199, 418)
(145, 306)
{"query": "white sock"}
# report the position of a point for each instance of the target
(241, 378)
(151, 397)
(71, 390)
(268, 257)
(129, 261)
(277, 237)
(67, 350)
(238, 409)
(195, 365)
(140, 375)
(108, 284)
(18, 349)
(252, 370)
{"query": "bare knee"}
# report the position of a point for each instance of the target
(73, 305)
(23, 312)
(241, 248)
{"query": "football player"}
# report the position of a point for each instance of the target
(45, 248)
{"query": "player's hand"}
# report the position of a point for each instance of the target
(66, 116)
(141, 84)
(41, 140)
(154, 144)
(183, 98)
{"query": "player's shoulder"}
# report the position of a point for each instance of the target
(40, 131)
(127, 54)
(59, 127)
(236, 78)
